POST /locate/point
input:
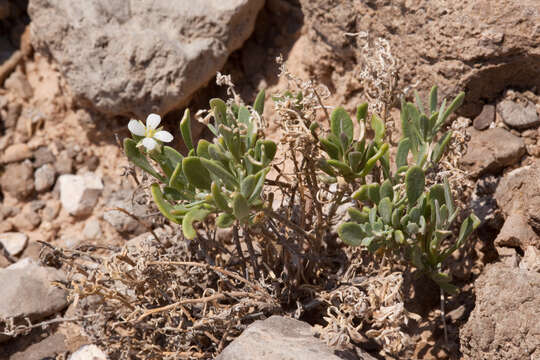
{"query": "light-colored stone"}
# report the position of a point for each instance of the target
(52, 347)
(44, 177)
(504, 323)
(127, 59)
(27, 291)
(122, 222)
(518, 116)
(92, 229)
(18, 179)
(42, 156)
(80, 193)
(88, 352)
(518, 196)
(16, 152)
(51, 210)
(489, 151)
(14, 242)
(278, 338)
(64, 163)
(27, 220)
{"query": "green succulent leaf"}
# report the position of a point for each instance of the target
(341, 123)
(440, 147)
(185, 129)
(453, 106)
(258, 105)
(164, 207)
(240, 207)
(270, 149)
(196, 173)
(219, 198)
(403, 152)
(378, 126)
(244, 115)
(355, 160)
(372, 161)
(256, 193)
(324, 166)
(202, 148)
(220, 172)
(361, 112)
(387, 190)
(343, 168)
(195, 214)
(351, 234)
(433, 100)
(331, 149)
(219, 109)
(385, 210)
(225, 220)
(357, 215)
(419, 103)
(374, 193)
(248, 185)
(399, 237)
(415, 182)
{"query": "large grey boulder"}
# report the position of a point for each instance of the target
(504, 323)
(136, 57)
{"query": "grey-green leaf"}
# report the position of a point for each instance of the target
(341, 122)
(258, 105)
(415, 182)
(196, 214)
(240, 207)
(403, 152)
(351, 234)
(196, 173)
(185, 129)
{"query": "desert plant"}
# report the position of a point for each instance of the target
(225, 177)
(403, 215)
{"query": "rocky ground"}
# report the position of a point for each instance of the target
(72, 74)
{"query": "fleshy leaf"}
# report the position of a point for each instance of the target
(258, 105)
(361, 112)
(351, 234)
(378, 126)
(220, 172)
(415, 182)
(185, 130)
(196, 214)
(164, 207)
(403, 152)
(240, 207)
(341, 123)
(196, 173)
(219, 198)
(225, 220)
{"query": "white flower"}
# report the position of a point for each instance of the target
(151, 132)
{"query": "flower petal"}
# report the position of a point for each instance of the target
(136, 127)
(152, 121)
(149, 143)
(164, 136)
